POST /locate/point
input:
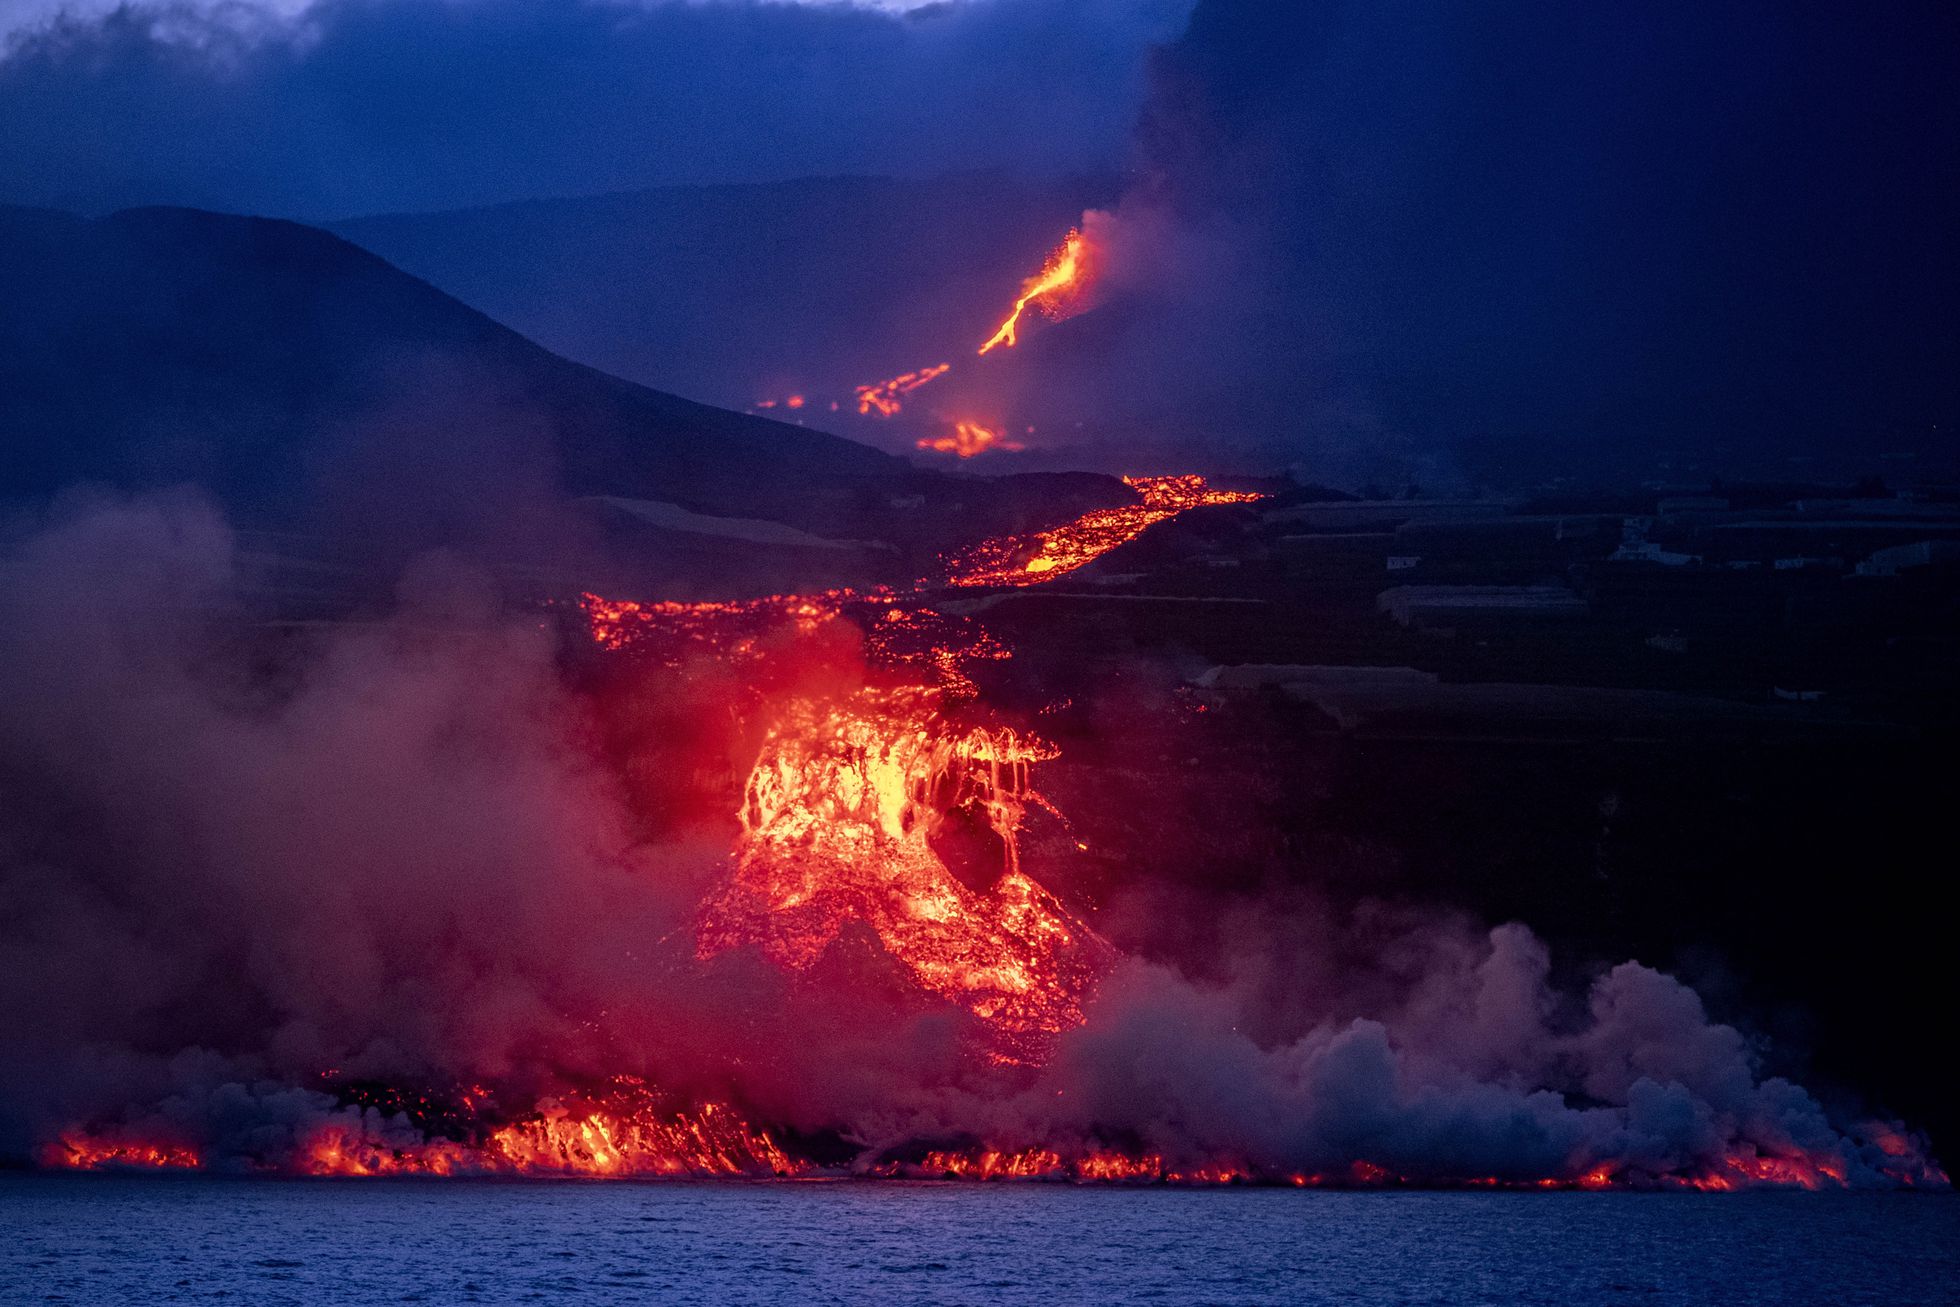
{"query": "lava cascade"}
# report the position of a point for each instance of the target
(1056, 290)
(837, 821)
(843, 803)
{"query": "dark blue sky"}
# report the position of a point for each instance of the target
(358, 106)
(1517, 229)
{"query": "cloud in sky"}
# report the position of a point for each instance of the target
(350, 106)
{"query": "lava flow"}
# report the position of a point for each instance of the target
(840, 820)
(881, 818)
(852, 799)
(627, 1139)
(78, 1151)
(1055, 290)
(882, 398)
(1045, 555)
(969, 439)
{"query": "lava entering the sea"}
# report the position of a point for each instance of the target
(877, 809)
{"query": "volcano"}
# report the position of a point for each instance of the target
(309, 384)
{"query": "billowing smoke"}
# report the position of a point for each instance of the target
(249, 863)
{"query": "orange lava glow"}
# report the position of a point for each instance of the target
(882, 397)
(852, 797)
(630, 1136)
(886, 807)
(634, 1143)
(1756, 1172)
(968, 439)
(848, 801)
(1045, 555)
(1055, 290)
(77, 1152)
(712, 626)
(839, 818)
(1098, 1167)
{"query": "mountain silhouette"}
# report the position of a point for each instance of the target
(306, 382)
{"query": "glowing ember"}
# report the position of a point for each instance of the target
(882, 398)
(1045, 555)
(1055, 290)
(968, 439)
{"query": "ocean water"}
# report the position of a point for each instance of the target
(123, 1240)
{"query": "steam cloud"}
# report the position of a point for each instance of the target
(237, 856)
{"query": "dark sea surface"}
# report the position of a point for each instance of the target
(99, 1239)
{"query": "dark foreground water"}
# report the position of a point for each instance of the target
(90, 1239)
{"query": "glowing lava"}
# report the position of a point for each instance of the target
(968, 439)
(624, 1140)
(888, 814)
(1045, 555)
(882, 397)
(850, 795)
(77, 1151)
(839, 819)
(1055, 290)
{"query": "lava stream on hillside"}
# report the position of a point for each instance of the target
(1046, 555)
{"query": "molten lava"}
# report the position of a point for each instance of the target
(839, 818)
(849, 794)
(968, 439)
(76, 1151)
(1056, 290)
(882, 397)
(885, 812)
(629, 1139)
(852, 796)
(1045, 555)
